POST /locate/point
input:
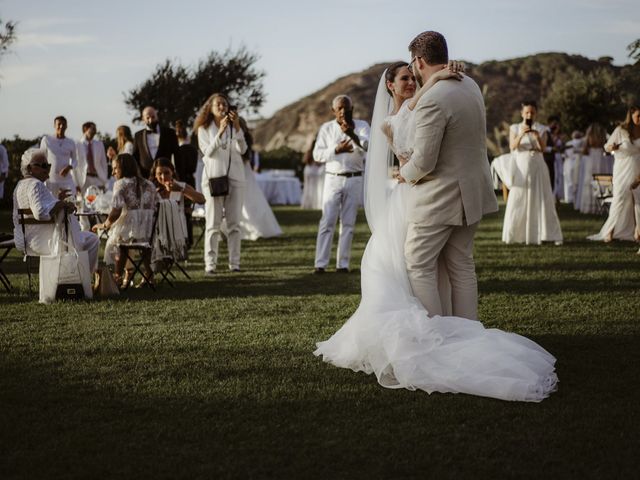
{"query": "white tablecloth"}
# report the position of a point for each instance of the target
(280, 190)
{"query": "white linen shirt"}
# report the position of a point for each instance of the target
(99, 161)
(61, 152)
(217, 152)
(32, 193)
(329, 136)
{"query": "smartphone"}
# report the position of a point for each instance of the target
(529, 122)
(233, 108)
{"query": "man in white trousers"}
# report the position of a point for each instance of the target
(342, 146)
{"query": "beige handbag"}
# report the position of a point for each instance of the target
(105, 285)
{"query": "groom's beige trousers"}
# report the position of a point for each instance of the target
(423, 245)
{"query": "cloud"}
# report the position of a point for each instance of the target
(45, 22)
(13, 75)
(45, 40)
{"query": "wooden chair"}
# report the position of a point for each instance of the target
(603, 190)
(27, 218)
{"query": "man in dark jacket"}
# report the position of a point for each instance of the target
(153, 142)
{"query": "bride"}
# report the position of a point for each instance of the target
(391, 334)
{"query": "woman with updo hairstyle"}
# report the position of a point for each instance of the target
(624, 143)
(222, 143)
(530, 216)
(131, 217)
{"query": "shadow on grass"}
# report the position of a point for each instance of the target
(306, 419)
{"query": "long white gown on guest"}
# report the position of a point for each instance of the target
(626, 168)
(313, 187)
(392, 335)
(258, 220)
(530, 216)
(594, 162)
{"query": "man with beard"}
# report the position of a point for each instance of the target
(153, 142)
(342, 146)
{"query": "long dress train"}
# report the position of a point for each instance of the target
(392, 335)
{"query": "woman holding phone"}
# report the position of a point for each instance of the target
(530, 216)
(222, 143)
(624, 142)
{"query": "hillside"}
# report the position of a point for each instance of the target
(504, 83)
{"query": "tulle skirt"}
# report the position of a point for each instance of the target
(392, 335)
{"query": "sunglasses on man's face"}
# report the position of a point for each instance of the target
(45, 166)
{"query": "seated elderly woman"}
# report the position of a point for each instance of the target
(130, 219)
(31, 193)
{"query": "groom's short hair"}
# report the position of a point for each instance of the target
(431, 46)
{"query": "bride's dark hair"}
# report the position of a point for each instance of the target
(391, 72)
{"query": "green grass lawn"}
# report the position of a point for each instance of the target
(216, 378)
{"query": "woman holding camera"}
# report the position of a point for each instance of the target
(530, 216)
(222, 143)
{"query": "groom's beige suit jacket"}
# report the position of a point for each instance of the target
(449, 169)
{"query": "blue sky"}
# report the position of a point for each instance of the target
(76, 58)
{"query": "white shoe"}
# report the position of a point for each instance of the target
(209, 273)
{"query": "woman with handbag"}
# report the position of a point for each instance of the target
(222, 143)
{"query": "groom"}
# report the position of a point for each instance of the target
(450, 178)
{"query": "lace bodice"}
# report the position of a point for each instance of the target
(125, 194)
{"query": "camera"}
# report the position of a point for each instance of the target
(233, 108)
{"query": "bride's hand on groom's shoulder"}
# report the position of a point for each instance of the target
(456, 66)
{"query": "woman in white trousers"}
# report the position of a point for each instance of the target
(222, 144)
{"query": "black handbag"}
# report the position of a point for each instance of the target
(219, 186)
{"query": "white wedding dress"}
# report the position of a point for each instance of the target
(391, 333)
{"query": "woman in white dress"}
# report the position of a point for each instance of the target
(530, 216)
(624, 142)
(592, 161)
(258, 220)
(131, 217)
(124, 144)
(392, 335)
(313, 181)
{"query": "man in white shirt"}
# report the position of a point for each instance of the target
(92, 160)
(4, 169)
(30, 192)
(61, 155)
(342, 146)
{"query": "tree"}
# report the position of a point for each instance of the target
(178, 92)
(583, 98)
(7, 35)
(634, 51)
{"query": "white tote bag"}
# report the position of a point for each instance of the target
(65, 265)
